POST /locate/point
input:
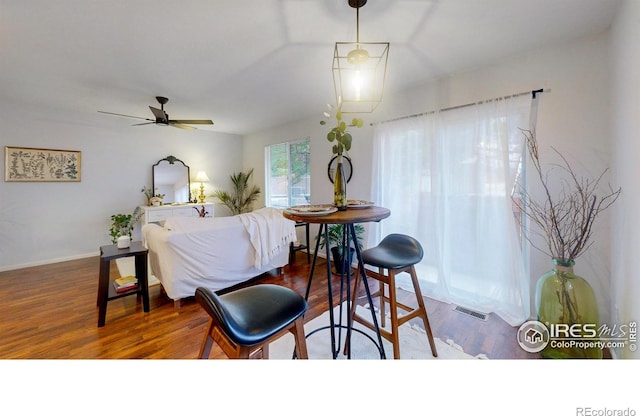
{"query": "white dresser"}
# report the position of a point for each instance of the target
(161, 213)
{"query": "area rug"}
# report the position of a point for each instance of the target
(414, 344)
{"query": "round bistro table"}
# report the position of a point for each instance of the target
(349, 218)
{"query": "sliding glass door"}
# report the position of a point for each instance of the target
(448, 178)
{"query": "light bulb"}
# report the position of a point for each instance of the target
(357, 84)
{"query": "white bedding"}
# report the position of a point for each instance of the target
(189, 252)
(269, 232)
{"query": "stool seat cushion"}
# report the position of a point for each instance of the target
(395, 251)
(251, 315)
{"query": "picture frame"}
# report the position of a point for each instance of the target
(28, 164)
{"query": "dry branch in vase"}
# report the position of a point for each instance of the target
(566, 220)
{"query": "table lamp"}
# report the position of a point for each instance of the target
(202, 178)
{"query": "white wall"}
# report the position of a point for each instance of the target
(574, 117)
(625, 58)
(47, 222)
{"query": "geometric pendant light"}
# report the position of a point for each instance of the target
(359, 70)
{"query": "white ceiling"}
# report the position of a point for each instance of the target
(253, 64)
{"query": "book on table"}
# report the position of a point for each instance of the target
(125, 283)
(120, 289)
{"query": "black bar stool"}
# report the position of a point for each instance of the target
(245, 321)
(396, 253)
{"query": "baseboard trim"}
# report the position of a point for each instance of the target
(49, 261)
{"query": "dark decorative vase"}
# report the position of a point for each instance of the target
(567, 305)
(340, 187)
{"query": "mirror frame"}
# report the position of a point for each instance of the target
(347, 166)
(172, 160)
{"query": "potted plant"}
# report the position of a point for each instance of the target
(242, 197)
(563, 219)
(342, 139)
(122, 224)
(153, 197)
(337, 245)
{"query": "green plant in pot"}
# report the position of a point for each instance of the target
(122, 224)
(342, 139)
(242, 196)
(337, 244)
(563, 218)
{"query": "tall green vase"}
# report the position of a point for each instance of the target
(340, 187)
(566, 302)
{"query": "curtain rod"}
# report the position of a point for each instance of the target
(533, 96)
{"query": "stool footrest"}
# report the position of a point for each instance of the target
(415, 313)
(383, 332)
(402, 306)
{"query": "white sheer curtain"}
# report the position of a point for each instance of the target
(447, 178)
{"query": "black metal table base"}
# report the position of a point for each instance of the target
(348, 236)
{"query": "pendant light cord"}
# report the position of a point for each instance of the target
(358, 26)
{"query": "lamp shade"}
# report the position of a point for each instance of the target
(202, 177)
(359, 71)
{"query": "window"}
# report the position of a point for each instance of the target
(288, 174)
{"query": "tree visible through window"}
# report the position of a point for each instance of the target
(288, 174)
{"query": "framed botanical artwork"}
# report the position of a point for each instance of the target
(26, 164)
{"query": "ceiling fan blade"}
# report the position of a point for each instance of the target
(193, 121)
(124, 115)
(181, 126)
(162, 118)
(160, 115)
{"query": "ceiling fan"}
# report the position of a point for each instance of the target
(162, 118)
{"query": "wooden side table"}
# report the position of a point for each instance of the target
(106, 291)
(297, 247)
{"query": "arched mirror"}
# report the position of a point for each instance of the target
(171, 177)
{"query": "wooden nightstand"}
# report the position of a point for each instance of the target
(297, 247)
(106, 291)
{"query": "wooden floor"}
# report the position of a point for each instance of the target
(50, 311)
